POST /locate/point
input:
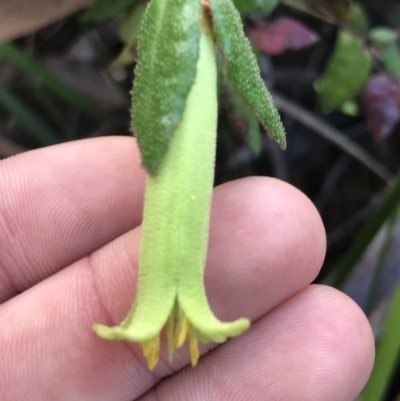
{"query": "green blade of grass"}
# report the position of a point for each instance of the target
(387, 207)
(379, 269)
(52, 112)
(387, 354)
(38, 74)
(27, 118)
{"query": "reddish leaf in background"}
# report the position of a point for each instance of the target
(280, 36)
(381, 104)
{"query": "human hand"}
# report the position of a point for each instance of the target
(69, 241)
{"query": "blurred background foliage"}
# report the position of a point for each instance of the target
(333, 68)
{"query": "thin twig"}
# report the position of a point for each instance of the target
(333, 135)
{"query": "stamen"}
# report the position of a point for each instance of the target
(177, 331)
(146, 347)
(181, 331)
(151, 350)
(193, 346)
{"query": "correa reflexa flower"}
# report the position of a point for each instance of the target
(175, 120)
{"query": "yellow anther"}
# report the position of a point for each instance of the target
(193, 346)
(151, 350)
(181, 332)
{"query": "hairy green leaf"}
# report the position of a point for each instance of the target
(242, 68)
(346, 73)
(166, 69)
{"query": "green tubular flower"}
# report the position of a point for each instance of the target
(171, 293)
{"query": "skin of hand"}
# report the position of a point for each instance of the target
(69, 241)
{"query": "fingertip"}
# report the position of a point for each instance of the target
(276, 249)
(337, 342)
(282, 208)
(355, 339)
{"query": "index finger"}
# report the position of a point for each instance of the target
(59, 204)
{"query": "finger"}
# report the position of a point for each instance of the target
(265, 246)
(316, 346)
(59, 204)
